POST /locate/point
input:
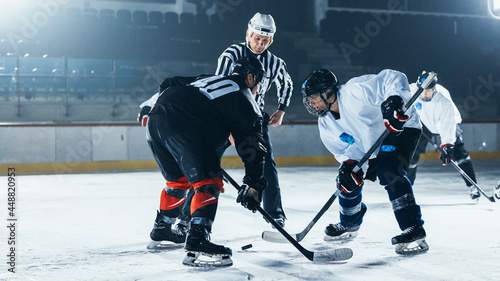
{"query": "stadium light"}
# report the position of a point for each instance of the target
(494, 8)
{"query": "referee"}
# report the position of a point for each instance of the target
(259, 37)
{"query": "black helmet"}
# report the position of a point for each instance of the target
(424, 76)
(316, 83)
(432, 85)
(249, 64)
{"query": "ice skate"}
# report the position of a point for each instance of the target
(411, 241)
(279, 221)
(340, 232)
(182, 227)
(474, 193)
(201, 252)
(162, 231)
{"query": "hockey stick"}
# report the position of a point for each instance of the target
(272, 236)
(454, 163)
(318, 256)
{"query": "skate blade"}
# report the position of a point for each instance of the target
(416, 247)
(343, 237)
(163, 245)
(199, 259)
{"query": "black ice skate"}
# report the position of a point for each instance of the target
(340, 232)
(163, 231)
(411, 241)
(182, 226)
(279, 221)
(474, 192)
(197, 244)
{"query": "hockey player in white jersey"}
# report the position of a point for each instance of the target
(440, 117)
(259, 37)
(351, 118)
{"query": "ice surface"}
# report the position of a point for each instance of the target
(96, 227)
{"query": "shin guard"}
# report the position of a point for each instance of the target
(173, 197)
(206, 198)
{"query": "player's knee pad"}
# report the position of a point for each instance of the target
(174, 194)
(206, 197)
(178, 188)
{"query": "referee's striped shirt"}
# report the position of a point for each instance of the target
(275, 71)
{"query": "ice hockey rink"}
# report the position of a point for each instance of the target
(96, 227)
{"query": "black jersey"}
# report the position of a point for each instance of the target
(275, 69)
(211, 108)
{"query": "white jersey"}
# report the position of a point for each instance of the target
(439, 115)
(361, 122)
(151, 102)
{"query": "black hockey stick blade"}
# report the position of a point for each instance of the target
(272, 236)
(318, 256)
(455, 164)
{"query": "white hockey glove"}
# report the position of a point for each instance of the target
(446, 153)
(347, 181)
(394, 116)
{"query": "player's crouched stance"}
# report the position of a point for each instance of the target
(186, 128)
(351, 117)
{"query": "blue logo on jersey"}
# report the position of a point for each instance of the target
(418, 105)
(387, 148)
(346, 138)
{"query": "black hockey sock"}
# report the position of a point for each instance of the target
(469, 170)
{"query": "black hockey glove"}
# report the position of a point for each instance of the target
(250, 193)
(142, 117)
(446, 153)
(394, 116)
(347, 181)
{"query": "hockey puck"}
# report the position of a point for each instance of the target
(246, 247)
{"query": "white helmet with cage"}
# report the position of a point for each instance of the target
(262, 24)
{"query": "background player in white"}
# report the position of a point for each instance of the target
(440, 117)
(259, 36)
(351, 118)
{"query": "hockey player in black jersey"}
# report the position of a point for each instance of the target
(186, 127)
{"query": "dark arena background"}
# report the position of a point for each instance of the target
(95, 61)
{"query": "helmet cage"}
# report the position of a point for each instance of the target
(432, 85)
(318, 83)
(432, 96)
(318, 112)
